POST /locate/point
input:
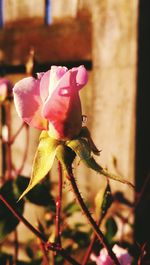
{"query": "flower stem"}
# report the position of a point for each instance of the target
(58, 206)
(89, 249)
(49, 245)
(45, 260)
(90, 219)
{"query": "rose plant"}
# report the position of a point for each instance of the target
(51, 103)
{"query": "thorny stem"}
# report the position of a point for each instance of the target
(90, 219)
(58, 206)
(89, 249)
(49, 246)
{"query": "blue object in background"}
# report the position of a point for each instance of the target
(1, 14)
(48, 19)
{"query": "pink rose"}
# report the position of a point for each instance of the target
(104, 259)
(51, 102)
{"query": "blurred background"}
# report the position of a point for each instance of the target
(112, 39)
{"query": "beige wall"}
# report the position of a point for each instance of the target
(15, 9)
(114, 61)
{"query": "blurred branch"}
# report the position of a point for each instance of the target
(37, 233)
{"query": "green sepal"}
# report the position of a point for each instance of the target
(66, 157)
(85, 133)
(82, 148)
(43, 160)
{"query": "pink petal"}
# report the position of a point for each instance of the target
(81, 77)
(28, 102)
(63, 107)
(60, 71)
(44, 85)
(50, 80)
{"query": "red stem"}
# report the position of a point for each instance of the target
(90, 219)
(49, 246)
(45, 258)
(16, 247)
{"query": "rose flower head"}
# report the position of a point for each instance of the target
(103, 259)
(51, 102)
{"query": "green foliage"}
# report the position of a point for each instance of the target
(40, 195)
(107, 200)
(8, 221)
(111, 229)
(29, 252)
(71, 208)
(103, 201)
(81, 239)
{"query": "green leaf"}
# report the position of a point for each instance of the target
(71, 208)
(111, 229)
(40, 195)
(82, 148)
(80, 237)
(116, 177)
(107, 200)
(8, 221)
(103, 201)
(43, 160)
(29, 252)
